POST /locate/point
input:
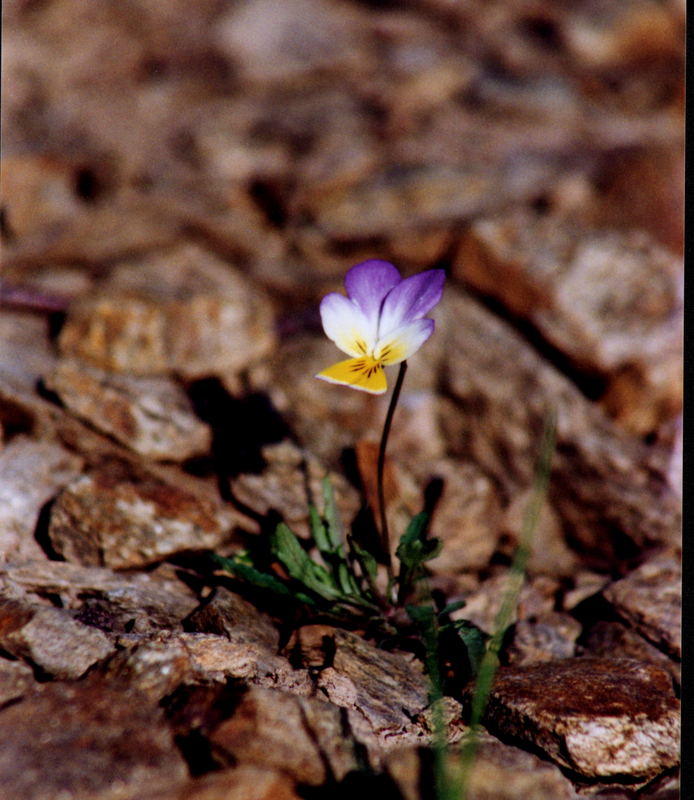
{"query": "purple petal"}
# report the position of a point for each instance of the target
(411, 299)
(369, 282)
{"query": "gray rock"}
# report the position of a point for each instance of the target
(543, 638)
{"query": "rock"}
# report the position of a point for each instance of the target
(225, 613)
(301, 736)
(608, 301)
(96, 742)
(466, 517)
(504, 392)
(151, 415)
(549, 553)
(52, 639)
(601, 718)
(292, 479)
(289, 45)
(31, 473)
(612, 639)
(173, 312)
(385, 694)
(16, 680)
(113, 518)
(139, 602)
(650, 599)
(244, 781)
(499, 772)
(26, 354)
(241, 656)
(543, 638)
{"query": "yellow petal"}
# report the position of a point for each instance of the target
(364, 374)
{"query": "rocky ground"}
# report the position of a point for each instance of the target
(182, 182)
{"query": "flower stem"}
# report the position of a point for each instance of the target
(385, 539)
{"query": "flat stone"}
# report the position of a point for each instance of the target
(385, 694)
(151, 415)
(303, 37)
(243, 782)
(31, 473)
(164, 600)
(542, 638)
(16, 680)
(172, 312)
(112, 518)
(599, 717)
(293, 478)
(609, 639)
(52, 639)
(499, 772)
(86, 741)
(466, 517)
(609, 301)
(225, 612)
(504, 392)
(301, 736)
(650, 598)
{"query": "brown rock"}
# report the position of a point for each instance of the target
(151, 415)
(504, 392)
(240, 655)
(543, 638)
(650, 598)
(26, 353)
(549, 553)
(88, 741)
(174, 312)
(16, 680)
(466, 517)
(139, 602)
(385, 694)
(599, 717)
(609, 301)
(289, 45)
(52, 639)
(245, 782)
(112, 518)
(224, 613)
(293, 478)
(612, 639)
(499, 772)
(31, 473)
(301, 736)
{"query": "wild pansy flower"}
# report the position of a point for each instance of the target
(380, 322)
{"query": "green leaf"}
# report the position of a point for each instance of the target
(243, 570)
(414, 547)
(367, 561)
(475, 641)
(331, 515)
(318, 532)
(289, 551)
(451, 607)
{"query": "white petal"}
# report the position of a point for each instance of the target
(403, 341)
(411, 300)
(346, 325)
